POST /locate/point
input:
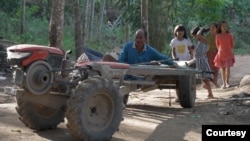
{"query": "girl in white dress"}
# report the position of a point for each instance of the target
(180, 44)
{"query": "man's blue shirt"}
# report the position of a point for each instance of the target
(130, 55)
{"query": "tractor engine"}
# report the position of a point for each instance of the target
(42, 64)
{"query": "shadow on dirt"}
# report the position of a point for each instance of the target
(171, 120)
(61, 134)
(183, 124)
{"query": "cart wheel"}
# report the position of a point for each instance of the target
(125, 99)
(186, 90)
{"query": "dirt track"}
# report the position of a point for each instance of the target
(149, 116)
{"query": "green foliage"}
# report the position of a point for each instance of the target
(6, 30)
(131, 13)
(68, 39)
(112, 37)
(10, 7)
(163, 17)
(159, 34)
(198, 12)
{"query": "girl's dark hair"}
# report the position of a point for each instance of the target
(180, 27)
(219, 26)
(195, 30)
(215, 24)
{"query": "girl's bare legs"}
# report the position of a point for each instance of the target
(208, 87)
(227, 71)
(215, 81)
(223, 76)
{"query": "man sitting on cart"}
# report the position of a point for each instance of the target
(138, 51)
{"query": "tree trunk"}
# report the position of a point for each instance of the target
(127, 30)
(160, 17)
(23, 17)
(92, 19)
(85, 20)
(101, 19)
(56, 23)
(144, 16)
(127, 27)
(78, 31)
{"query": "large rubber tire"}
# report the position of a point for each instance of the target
(38, 117)
(38, 78)
(187, 90)
(95, 110)
(125, 99)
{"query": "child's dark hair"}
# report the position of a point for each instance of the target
(180, 27)
(195, 30)
(219, 26)
(215, 24)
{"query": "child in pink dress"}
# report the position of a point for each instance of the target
(224, 59)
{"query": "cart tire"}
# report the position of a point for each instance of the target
(38, 117)
(186, 90)
(125, 99)
(95, 110)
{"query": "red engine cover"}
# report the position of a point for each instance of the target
(38, 52)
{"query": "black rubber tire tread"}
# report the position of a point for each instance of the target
(187, 90)
(32, 119)
(125, 99)
(80, 102)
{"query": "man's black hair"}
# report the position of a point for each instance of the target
(144, 32)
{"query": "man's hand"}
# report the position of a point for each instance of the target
(155, 63)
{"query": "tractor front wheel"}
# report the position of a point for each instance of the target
(95, 109)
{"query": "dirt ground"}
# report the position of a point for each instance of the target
(151, 116)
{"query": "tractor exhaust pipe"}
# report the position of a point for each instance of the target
(66, 64)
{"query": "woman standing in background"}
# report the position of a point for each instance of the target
(212, 51)
(224, 59)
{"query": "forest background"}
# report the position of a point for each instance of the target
(105, 24)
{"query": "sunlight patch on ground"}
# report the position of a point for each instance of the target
(192, 136)
(144, 126)
(136, 122)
